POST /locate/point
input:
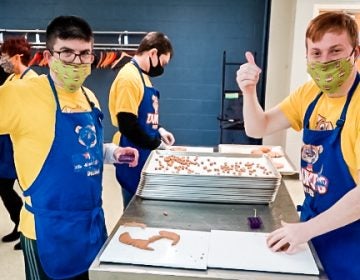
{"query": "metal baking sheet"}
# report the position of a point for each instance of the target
(248, 251)
(228, 197)
(217, 199)
(213, 182)
(190, 252)
(196, 149)
(203, 189)
(165, 181)
(206, 163)
(195, 191)
(287, 169)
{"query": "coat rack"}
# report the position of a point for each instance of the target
(119, 40)
(112, 48)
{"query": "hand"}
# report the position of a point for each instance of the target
(288, 238)
(248, 74)
(166, 136)
(127, 151)
(163, 146)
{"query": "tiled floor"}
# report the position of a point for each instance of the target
(11, 262)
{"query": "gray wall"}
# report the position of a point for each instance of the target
(200, 30)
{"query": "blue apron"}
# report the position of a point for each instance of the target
(7, 166)
(129, 177)
(326, 179)
(66, 195)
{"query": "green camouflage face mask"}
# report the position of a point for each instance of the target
(330, 76)
(70, 75)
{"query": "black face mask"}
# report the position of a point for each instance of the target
(157, 70)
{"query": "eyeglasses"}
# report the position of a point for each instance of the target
(69, 56)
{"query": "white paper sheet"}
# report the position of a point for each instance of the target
(248, 251)
(190, 252)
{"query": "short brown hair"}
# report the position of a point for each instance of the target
(158, 41)
(336, 22)
(17, 45)
(68, 28)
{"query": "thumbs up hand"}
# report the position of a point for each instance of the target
(248, 74)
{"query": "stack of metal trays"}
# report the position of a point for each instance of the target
(209, 177)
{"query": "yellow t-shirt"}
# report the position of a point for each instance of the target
(28, 75)
(324, 116)
(126, 94)
(27, 113)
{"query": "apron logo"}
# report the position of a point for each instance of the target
(313, 182)
(88, 161)
(153, 118)
(323, 124)
(87, 135)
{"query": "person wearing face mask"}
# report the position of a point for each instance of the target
(327, 110)
(134, 107)
(3, 75)
(55, 125)
(15, 56)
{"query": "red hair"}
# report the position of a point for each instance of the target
(17, 45)
(335, 22)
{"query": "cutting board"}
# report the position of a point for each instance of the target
(190, 252)
(248, 251)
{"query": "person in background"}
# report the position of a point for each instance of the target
(15, 56)
(327, 109)
(134, 107)
(55, 125)
(3, 75)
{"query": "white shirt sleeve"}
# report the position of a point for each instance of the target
(108, 150)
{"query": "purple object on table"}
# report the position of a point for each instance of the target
(126, 158)
(255, 222)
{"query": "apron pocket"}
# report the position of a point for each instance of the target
(69, 241)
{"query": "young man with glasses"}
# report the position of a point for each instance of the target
(55, 125)
(327, 110)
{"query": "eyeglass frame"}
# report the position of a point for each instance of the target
(92, 55)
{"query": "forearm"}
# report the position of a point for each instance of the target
(254, 116)
(129, 126)
(342, 213)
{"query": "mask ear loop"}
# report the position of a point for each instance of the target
(358, 48)
(18, 57)
(158, 56)
(349, 57)
(353, 51)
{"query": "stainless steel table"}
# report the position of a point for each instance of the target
(203, 217)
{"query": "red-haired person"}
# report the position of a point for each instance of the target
(15, 56)
(326, 109)
(3, 76)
